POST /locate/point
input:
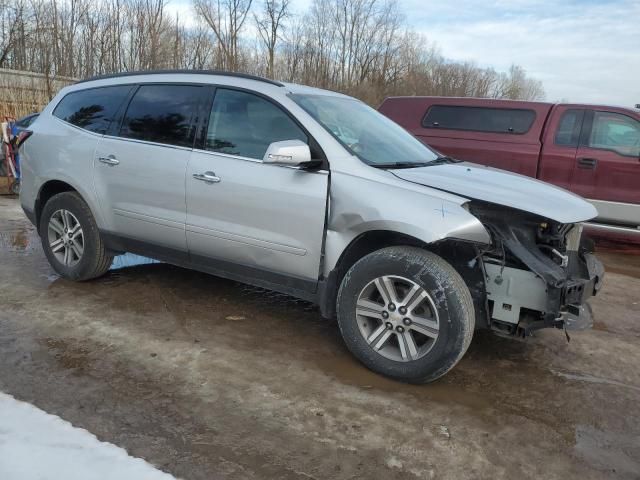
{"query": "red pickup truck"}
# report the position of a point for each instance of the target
(591, 150)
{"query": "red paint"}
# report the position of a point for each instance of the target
(590, 172)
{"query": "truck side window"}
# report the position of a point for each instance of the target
(568, 134)
(617, 132)
(244, 124)
(479, 119)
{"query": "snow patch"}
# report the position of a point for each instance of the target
(35, 445)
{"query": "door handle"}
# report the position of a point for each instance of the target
(590, 163)
(207, 177)
(109, 160)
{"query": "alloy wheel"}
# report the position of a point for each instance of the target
(397, 318)
(66, 238)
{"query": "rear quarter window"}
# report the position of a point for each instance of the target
(479, 119)
(92, 109)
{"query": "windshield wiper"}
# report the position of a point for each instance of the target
(444, 159)
(435, 161)
(400, 164)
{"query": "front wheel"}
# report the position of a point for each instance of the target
(71, 240)
(406, 313)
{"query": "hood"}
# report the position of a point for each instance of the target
(503, 188)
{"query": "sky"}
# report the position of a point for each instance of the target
(582, 50)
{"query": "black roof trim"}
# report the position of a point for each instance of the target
(197, 72)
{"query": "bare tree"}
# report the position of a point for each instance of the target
(360, 47)
(226, 19)
(269, 22)
(12, 18)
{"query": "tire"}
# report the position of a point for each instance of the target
(94, 260)
(446, 312)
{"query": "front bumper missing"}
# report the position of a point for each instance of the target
(577, 314)
(537, 273)
(521, 301)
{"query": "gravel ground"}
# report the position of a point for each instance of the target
(206, 378)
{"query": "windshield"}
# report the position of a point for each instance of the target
(371, 136)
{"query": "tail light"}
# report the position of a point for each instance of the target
(21, 138)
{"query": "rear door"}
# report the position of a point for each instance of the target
(68, 142)
(560, 145)
(139, 168)
(250, 219)
(607, 168)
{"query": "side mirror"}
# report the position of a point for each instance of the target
(292, 153)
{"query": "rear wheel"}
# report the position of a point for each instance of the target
(406, 313)
(71, 240)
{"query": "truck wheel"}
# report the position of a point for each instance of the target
(71, 240)
(406, 313)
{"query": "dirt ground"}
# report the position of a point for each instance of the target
(209, 379)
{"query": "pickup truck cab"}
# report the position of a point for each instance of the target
(313, 194)
(591, 150)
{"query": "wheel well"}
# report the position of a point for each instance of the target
(359, 247)
(460, 254)
(48, 190)
(369, 242)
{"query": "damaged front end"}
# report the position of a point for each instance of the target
(538, 273)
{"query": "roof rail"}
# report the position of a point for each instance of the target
(197, 72)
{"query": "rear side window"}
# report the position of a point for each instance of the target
(569, 128)
(163, 114)
(244, 124)
(93, 109)
(479, 119)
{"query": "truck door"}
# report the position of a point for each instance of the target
(607, 169)
(560, 145)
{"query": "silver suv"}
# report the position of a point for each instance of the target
(310, 193)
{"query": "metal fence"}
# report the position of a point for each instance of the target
(27, 92)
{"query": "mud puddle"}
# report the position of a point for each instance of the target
(17, 238)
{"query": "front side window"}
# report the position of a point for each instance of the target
(479, 119)
(163, 114)
(617, 132)
(568, 133)
(366, 133)
(244, 124)
(93, 109)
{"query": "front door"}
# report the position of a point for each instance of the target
(139, 170)
(607, 168)
(560, 146)
(250, 219)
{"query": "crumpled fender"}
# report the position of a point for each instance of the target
(358, 205)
